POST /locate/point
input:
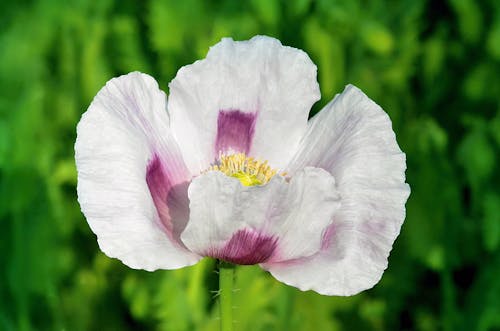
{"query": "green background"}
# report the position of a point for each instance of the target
(434, 66)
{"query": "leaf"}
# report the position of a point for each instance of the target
(477, 156)
(377, 38)
(491, 221)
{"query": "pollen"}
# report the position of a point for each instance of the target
(247, 170)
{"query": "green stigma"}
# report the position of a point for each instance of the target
(246, 179)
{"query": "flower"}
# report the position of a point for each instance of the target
(230, 167)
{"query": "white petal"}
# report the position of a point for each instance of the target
(352, 138)
(246, 96)
(233, 222)
(125, 127)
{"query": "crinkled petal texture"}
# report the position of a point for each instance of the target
(122, 137)
(278, 221)
(249, 96)
(352, 138)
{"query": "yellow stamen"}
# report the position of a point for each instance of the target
(247, 170)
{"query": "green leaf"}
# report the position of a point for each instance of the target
(491, 221)
(477, 156)
(377, 38)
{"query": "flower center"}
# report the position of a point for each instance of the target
(247, 170)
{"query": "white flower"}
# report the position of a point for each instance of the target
(230, 167)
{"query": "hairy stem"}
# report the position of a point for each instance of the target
(226, 281)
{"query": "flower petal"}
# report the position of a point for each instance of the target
(251, 224)
(352, 138)
(124, 130)
(246, 96)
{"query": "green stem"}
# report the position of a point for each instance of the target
(226, 281)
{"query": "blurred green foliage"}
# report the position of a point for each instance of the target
(434, 66)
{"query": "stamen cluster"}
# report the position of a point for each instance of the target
(248, 170)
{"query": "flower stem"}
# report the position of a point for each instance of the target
(226, 281)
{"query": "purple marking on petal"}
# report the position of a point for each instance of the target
(327, 236)
(159, 186)
(235, 131)
(171, 201)
(246, 247)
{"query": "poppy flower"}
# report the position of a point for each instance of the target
(229, 167)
